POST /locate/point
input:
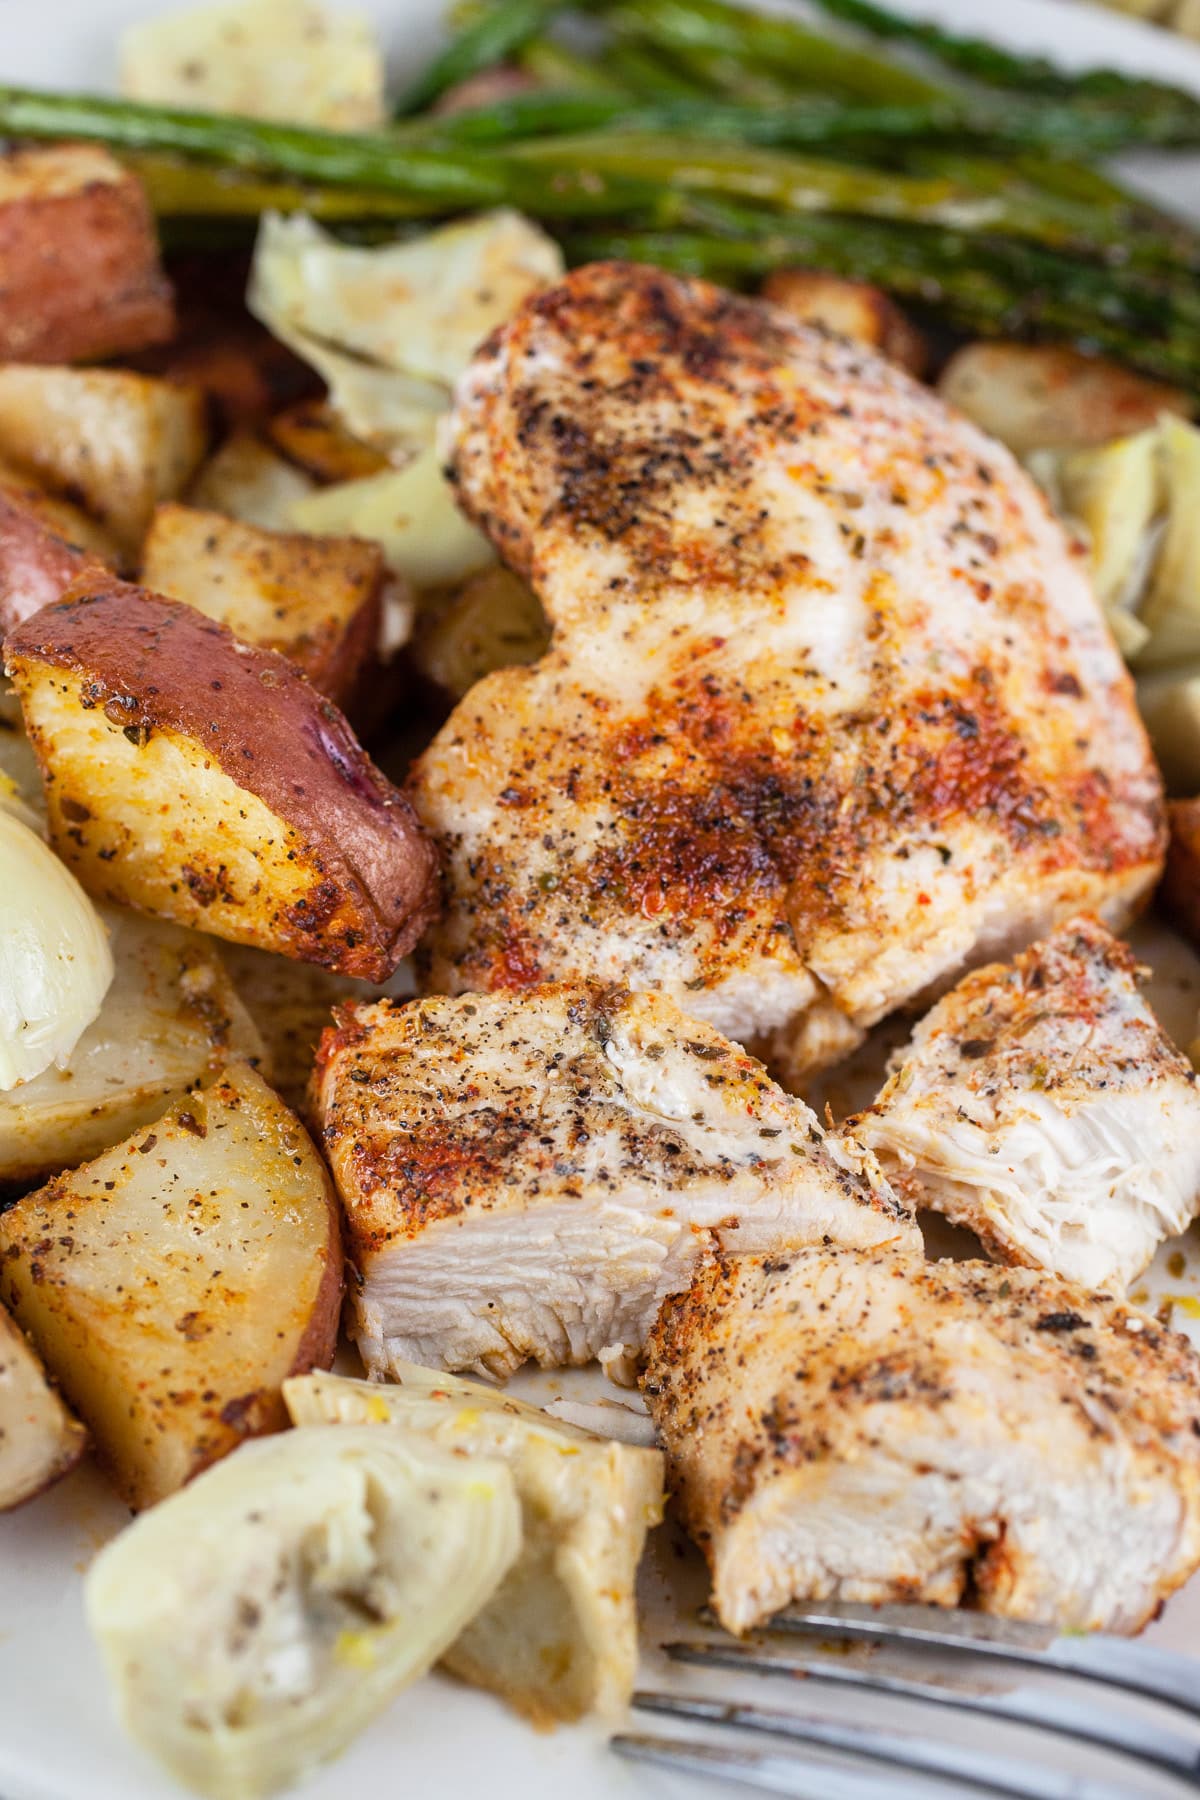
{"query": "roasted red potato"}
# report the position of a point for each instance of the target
(173, 1284)
(317, 600)
(79, 269)
(204, 780)
(853, 309)
(36, 565)
(1050, 397)
(1181, 883)
(111, 441)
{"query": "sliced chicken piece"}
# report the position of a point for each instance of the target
(1041, 1104)
(860, 1427)
(528, 1174)
(830, 711)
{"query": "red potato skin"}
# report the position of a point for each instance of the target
(155, 664)
(35, 566)
(263, 1410)
(80, 277)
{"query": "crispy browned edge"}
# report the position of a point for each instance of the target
(264, 1411)
(310, 436)
(80, 276)
(1181, 883)
(155, 664)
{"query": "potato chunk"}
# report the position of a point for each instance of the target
(292, 1003)
(493, 621)
(36, 565)
(171, 1016)
(79, 260)
(1045, 396)
(1181, 884)
(315, 599)
(853, 309)
(206, 781)
(117, 442)
(247, 480)
(173, 1283)
(39, 1440)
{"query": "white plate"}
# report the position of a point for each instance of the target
(58, 1740)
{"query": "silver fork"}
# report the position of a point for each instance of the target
(1167, 1744)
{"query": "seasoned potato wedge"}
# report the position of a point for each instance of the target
(81, 276)
(1043, 396)
(1181, 883)
(310, 435)
(206, 781)
(560, 1638)
(1169, 702)
(117, 442)
(36, 565)
(248, 480)
(39, 1440)
(171, 1016)
(59, 516)
(173, 1283)
(318, 600)
(291, 1003)
(493, 621)
(853, 309)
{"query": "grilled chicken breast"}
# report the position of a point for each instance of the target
(830, 710)
(1041, 1104)
(860, 1427)
(527, 1174)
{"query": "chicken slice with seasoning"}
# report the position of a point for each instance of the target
(1041, 1104)
(526, 1175)
(842, 1426)
(830, 711)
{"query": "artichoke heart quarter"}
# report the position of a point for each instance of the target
(560, 1637)
(260, 1617)
(55, 961)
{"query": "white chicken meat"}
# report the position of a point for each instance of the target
(830, 710)
(1041, 1104)
(526, 1175)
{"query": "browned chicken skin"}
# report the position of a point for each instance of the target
(830, 710)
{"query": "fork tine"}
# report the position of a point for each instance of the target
(979, 1769)
(1147, 1743)
(776, 1774)
(1115, 1662)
